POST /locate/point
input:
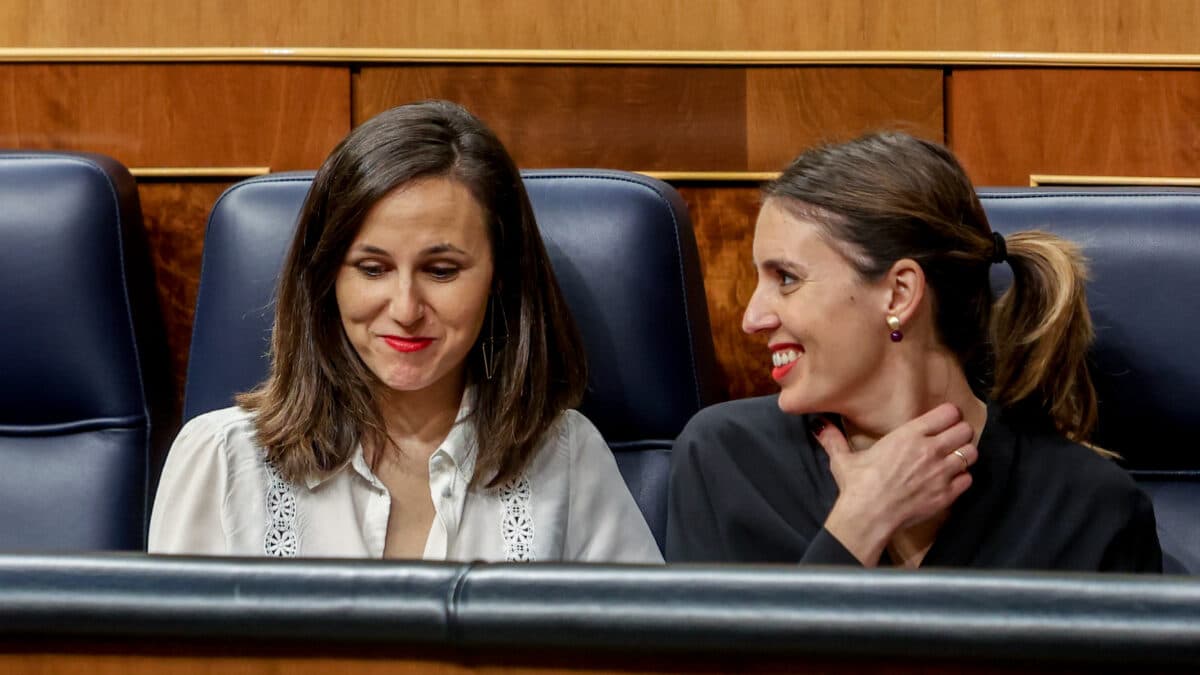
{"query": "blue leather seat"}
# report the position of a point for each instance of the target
(623, 251)
(83, 370)
(1144, 249)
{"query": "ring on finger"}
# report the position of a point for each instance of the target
(963, 456)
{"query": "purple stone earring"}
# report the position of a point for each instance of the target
(893, 322)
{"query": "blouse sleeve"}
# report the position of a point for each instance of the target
(187, 515)
(1134, 545)
(604, 523)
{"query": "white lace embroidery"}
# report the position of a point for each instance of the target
(282, 540)
(516, 527)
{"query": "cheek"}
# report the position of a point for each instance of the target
(462, 306)
(357, 301)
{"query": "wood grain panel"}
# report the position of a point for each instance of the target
(174, 215)
(281, 116)
(723, 218)
(1006, 124)
(789, 109)
(118, 656)
(1013, 25)
(620, 117)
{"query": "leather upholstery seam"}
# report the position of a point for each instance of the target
(687, 319)
(454, 629)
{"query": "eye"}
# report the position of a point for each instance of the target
(785, 278)
(442, 272)
(370, 270)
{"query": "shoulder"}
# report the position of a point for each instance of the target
(1097, 483)
(1098, 515)
(1058, 455)
(573, 433)
(225, 432)
(743, 424)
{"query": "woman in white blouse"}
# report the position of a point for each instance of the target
(424, 366)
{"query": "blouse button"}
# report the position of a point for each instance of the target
(447, 492)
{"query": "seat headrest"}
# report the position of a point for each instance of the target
(69, 352)
(1144, 252)
(622, 249)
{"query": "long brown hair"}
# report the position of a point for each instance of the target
(318, 401)
(889, 196)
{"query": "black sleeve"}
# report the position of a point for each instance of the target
(739, 492)
(825, 549)
(1134, 545)
(693, 533)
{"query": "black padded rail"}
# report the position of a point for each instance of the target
(1070, 619)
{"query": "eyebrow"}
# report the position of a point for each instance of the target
(444, 247)
(780, 264)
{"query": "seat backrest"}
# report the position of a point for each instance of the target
(83, 372)
(1144, 253)
(622, 249)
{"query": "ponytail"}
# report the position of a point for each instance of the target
(1041, 331)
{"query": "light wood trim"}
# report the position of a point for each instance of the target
(1048, 180)
(713, 176)
(603, 56)
(199, 171)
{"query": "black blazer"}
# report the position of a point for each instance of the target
(749, 484)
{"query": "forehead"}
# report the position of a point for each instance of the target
(423, 210)
(781, 233)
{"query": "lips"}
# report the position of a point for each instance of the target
(784, 357)
(407, 345)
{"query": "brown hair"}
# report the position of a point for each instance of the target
(319, 400)
(889, 196)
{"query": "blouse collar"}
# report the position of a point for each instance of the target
(459, 446)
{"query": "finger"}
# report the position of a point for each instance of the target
(831, 438)
(938, 420)
(961, 459)
(959, 485)
(954, 437)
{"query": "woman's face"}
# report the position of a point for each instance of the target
(826, 327)
(413, 289)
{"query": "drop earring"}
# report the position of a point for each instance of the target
(489, 345)
(893, 322)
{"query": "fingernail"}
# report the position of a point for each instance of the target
(818, 425)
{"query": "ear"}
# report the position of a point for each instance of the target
(906, 287)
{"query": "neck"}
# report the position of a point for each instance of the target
(916, 381)
(422, 419)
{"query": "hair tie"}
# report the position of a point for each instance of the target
(999, 249)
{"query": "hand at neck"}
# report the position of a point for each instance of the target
(917, 380)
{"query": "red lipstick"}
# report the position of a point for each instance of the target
(406, 345)
(780, 372)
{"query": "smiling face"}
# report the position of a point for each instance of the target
(825, 325)
(412, 291)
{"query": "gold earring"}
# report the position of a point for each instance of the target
(893, 322)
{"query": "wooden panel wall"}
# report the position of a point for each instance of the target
(1006, 124)
(207, 116)
(678, 119)
(1121, 26)
(666, 118)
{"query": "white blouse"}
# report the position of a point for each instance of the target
(218, 496)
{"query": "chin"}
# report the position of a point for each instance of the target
(795, 403)
(405, 380)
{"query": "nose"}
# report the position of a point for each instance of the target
(759, 315)
(406, 306)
